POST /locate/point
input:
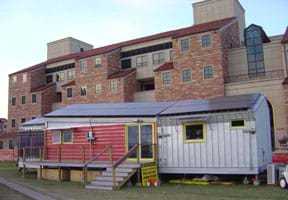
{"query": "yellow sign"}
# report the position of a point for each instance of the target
(149, 175)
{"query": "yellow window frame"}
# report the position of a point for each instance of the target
(139, 127)
(62, 137)
(62, 131)
(53, 135)
(237, 127)
(194, 140)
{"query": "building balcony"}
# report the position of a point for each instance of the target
(269, 75)
(144, 96)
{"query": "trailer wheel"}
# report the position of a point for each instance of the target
(283, 183)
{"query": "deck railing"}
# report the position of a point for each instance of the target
(269, 75)
(31, 154)
(134, 149)
(85, 166)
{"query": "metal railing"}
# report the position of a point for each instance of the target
(269, 75)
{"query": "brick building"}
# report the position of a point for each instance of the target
(217, 56)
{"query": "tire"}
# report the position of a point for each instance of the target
(283, 183)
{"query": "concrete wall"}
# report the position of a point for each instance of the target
(273, 58)
(66, 46)
(144, 72)
(211, 10)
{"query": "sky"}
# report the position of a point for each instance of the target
(26, 26)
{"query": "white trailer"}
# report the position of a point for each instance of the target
(225, 135)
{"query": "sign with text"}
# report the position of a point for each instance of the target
(149, 175)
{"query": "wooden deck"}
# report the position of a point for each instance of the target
(78, 164)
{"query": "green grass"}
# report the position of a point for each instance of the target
(68, 190)
(6, 193)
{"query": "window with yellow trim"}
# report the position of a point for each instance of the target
(238, 123)
(67, 136)
(62, 136)
(56, 137)
(194, 132)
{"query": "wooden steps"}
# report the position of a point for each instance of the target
(122, 174)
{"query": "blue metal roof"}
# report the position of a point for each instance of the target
(36, 121)
(240, 102)
(151, 109)
(147, 109)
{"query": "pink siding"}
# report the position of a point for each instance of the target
(105, 135)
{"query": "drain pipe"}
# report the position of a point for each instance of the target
(285, 58)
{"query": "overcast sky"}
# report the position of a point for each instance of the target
(26, 26)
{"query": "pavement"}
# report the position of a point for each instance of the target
(28, 192)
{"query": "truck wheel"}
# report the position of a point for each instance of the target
(283, 183)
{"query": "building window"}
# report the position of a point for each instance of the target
(23, 120)
(11, 144)
(13, 101)
(69, 92)
(67, 136)
(13, 123)
(158, 58)
(14, 79)
(56, 137)
(194, 132)
(239, 123)
(60, 77)
(166, 78)
(185, 44)
(113, 86)
(34, 98)
(125, 64)
(49, 78)
(208, 72)
(83, 91)
(23, 99)
(186, 75)
(1, 144)
(70, 75)
(24, 78)
(255, 55)
(58, 96)
(206, 40)
(98, 62)
(83, 66)
(98, 89)
(141, 61)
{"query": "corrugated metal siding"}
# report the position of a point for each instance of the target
(104, 136)
(263, 135)
(224, 149)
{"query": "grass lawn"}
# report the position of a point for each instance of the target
(6, 193)
(68, 190)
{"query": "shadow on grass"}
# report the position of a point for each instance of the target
(70, 190)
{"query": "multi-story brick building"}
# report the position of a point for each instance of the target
(217, 56)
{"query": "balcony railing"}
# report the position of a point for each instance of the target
(276, 74)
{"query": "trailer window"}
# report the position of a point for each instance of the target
(67, 136)
(194, 132)
(57, 137)
(239, 123)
